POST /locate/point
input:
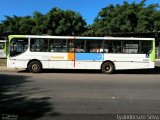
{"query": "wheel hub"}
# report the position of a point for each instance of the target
(35, 67)
(107, 68)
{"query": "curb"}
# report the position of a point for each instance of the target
(157, 63)
(5, 69)
(157, 60)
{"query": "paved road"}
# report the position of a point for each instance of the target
(52, 94)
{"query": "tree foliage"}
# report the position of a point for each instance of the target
(55, 22)
(60, 22)
(134, 17)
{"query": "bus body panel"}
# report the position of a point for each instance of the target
(130, 61)
(61, 61)
(71, 60)
(2, 54)
(3, 49)
(53, 60)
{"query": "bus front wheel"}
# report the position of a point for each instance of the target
(35, 67)
(107, 68)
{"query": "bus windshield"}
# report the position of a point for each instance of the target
(18, 46)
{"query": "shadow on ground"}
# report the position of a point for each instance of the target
(136, 71)
(18, 104)
(156, 70)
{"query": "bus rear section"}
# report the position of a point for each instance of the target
(3, 49)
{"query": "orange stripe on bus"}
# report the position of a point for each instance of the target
(70, 56)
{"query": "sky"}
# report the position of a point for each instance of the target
(87, 8)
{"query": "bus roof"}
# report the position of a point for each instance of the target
(79, 37)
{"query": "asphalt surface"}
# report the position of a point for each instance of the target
(79, 94)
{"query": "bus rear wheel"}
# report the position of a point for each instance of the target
(107, 68)
(35, 67)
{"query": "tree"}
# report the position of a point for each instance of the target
(40, 23)
(126, 18)
(15, 25)
(60, 22)
(26, 26)
(3, 30)
(12, 24)
(55, 22)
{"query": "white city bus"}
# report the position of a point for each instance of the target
(72, 52)
(2, 48)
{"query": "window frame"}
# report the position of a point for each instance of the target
(48, 45)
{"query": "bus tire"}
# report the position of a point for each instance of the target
(35, 67)
(107, 68)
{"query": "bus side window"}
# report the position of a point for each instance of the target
(79, 46)
(71, 47)
(95, 46)
(131, 47)
(146, 47)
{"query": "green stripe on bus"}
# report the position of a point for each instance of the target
(153, 51)
(15, 36)
(5, 48)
